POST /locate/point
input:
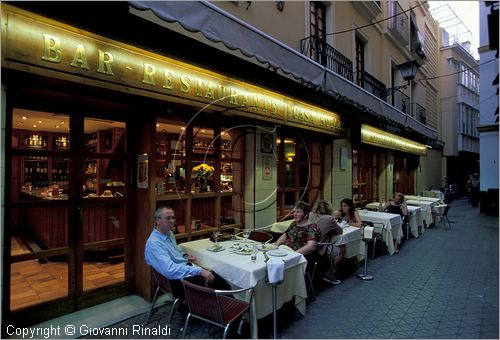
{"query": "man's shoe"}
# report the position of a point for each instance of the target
(333, 281)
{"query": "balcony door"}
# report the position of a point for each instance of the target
(318, 30)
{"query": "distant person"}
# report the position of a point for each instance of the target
(472, 188)
(163, 254)
(396, 206)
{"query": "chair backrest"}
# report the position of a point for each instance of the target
(260, 236)
(162, 282)
(203, 301)
(446, 209)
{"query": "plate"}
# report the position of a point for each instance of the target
(277, 252)
(215, 249)
(265, 247)
(243, 251)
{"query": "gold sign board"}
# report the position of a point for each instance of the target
(34, 41)
(374, 136)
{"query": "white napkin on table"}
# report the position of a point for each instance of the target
(368, 232)
(275, 270)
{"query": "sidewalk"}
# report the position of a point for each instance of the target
(442, 285)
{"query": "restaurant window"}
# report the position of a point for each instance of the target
(404, 173)
(364, 176)
(199, 174)
(300, 174)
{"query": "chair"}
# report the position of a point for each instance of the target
(215, 306)
(326, 251)
(443, 216)
(376, 235)
(163, 284)
(260, 236)
(406, 224)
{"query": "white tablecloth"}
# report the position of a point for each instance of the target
(416, 221)
(351, 239)
(434, 193)
(423, 198)
(280, 227)
(241, 272)
(426, 206)
(392, 226)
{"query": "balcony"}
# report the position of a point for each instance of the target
(419, 113)
(369, 9)
(320, 51)
(372, 85)
(402, 102)
(398, 24)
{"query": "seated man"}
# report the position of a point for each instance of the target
(330, 231)
(163, 254)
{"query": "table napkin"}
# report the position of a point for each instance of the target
(275, 270)
(368, 232)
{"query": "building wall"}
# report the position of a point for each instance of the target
(488, 103)
(448, 92)
(287, 26)
(342, 178)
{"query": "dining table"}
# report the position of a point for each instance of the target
(351, 238)
(427, 208)
(239, 270)
(415, 219)
(391, 226)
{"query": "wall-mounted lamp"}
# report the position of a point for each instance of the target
(280, 5)
(408, 72)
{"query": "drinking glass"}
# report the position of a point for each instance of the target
(216, 235)
(246, 234)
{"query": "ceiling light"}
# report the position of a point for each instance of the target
(24, 117)
(39, 122)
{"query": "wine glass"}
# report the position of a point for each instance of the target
(216, 234)
(246, 234)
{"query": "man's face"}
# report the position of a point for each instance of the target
(166, 221)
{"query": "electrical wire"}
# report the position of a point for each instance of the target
(376, 22)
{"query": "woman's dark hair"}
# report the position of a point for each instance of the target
(350, 204)
(304, 206)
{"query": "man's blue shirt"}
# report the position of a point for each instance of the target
(163, 254)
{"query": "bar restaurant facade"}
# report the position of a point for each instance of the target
(102, 126)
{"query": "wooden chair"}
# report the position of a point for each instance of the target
(163, 284)
(215, 306)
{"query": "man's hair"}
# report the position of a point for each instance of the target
(158, 211)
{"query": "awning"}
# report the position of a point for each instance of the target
(219, 26)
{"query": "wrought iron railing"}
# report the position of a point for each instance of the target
(419, 113)
(402, 102)
(372, 85)
(318, 49)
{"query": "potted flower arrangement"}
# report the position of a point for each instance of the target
(201, 173)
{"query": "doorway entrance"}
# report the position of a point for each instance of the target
(67, 211)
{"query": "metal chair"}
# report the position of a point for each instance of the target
(376, 235)
(163, 284)
(215, 306)
(443, 216)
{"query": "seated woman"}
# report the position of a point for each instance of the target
(348, 213)
(323, 218)
(396, 206)
(302, 235)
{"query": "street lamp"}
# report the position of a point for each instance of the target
(408, 72)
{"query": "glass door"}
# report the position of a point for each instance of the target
(102, 208)
(66, 212)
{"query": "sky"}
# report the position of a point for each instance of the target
(468, 12)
